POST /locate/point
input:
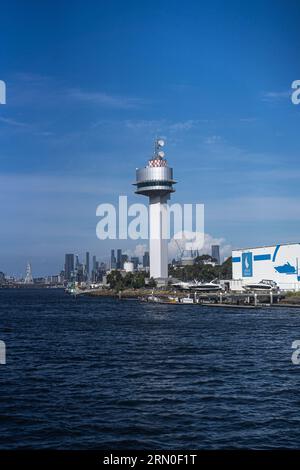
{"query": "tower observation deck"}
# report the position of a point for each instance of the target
(156, 181)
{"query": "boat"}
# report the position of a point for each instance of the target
(265, 284)
(183, 285)
(153, 298)
(212, 286)
(186, 300)
(173, 300)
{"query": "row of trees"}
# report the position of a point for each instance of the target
(130, 280)
(199, 271)
(202, 272)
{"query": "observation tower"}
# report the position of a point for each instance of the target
(156, 182)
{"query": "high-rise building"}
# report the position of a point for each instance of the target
(94, 263)
(69, 266)
(87, 264)
(113, 262)
(135, 260)
(215, 253)
(2, 278)
(146, 260)
(119, 257)
(124, 258)
(156, 182)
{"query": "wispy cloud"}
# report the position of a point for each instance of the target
(212, 139)
(163, 124)
(32, 77)
(39, 184)
(100, 98)
(183, 125)
(31, 88)
(248, 120)
(13, 122)
(275, 96)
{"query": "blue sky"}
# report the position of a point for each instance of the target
(89, 86)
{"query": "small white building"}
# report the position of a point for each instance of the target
(128, 267)
(279, 263)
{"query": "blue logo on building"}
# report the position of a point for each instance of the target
(286, 268)
(247, 264)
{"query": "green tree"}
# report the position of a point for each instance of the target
(114, 278)
(152, 282)
(226, 269)
(138, 281)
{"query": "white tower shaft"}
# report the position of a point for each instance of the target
(158, 221)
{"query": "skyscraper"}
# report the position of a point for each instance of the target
(119, 258)
(69, 266)
(156, 182)
(113, 262)
(146, 260)
(135, 260)
(124, 258)
(215, 253)
(87, 264)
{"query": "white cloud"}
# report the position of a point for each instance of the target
(273, 96)
(100, 98)
(13, 122)
(163, 125)
(175, 248)
(183, 125)
(212, 139)
(138, 250)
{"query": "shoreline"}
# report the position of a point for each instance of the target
(207, 299)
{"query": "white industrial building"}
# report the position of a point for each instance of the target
(279, 263)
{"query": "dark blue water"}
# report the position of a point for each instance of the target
(99, 373)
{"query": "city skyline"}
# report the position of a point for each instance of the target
(85, 103)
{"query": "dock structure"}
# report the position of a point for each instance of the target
(222, 299)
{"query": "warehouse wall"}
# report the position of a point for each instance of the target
(281, 263)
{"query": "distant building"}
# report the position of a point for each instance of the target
(135, 261)
(28, 276)
(87, 264)
(124, 258)
(2, 278)
(69, 266)
(113, 261)
(215, 253)
(146, 260)
(129, 266)
(119, 259)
